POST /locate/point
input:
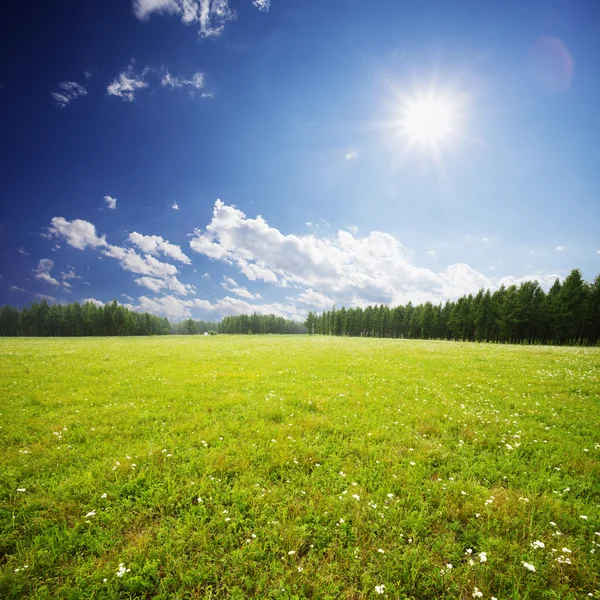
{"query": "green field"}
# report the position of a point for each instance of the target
(298, 467)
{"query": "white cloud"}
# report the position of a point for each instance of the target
(210, 16)
(351, 154)
(127, 297)
(430, 253)
(22, 251)
(560, 248)
(597, 251)
(128, 83)
(196, 82)
(166, 306)
(473, 239)
(546, 280)
(110, 202)
(154, 244)
(263, 5)
(130, 260)
(349, 269)
(175, 206)
(144, 8)
(42, 273)
(166, 283)
(231, 286)
(79, 234)
(69, 91)
(70, 274)
(177, 309)
(50, 299)
(98, 303)
(14, 288)
(312, 298)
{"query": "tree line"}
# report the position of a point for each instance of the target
(193, 327)
(568, 314)
(43, 319)
(260, 324)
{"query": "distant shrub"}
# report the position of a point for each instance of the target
(212, 332)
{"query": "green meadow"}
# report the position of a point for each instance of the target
(298, 467)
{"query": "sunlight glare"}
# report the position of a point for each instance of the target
(429, 120)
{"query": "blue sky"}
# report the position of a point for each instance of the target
(204, 158)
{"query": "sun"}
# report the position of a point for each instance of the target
(429, 120)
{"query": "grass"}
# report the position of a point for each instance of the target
(297, 467)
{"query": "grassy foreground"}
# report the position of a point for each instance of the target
(297, 467)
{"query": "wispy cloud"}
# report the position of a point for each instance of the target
(263, 5)
(23, 252)
(210, 16)
(14, 288)
(50, 299)
(231, 286)
(127, 83)
(475, 239)
(560, 248)
(110, 202)
(176, 82)
(69, 91)
(175, 206)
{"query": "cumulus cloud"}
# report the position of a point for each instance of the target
(78, 233)
(98, 303)
(157, 275)
(110, 202)
(210, 16)
(130, 260)
(42, 273)
(155, 245)
(166, 283)
(177, 309)
(69, 91)
(353, 270)
(127, 83)
(231, 286)
(546, 280)
(175, 206)
(316, 299)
